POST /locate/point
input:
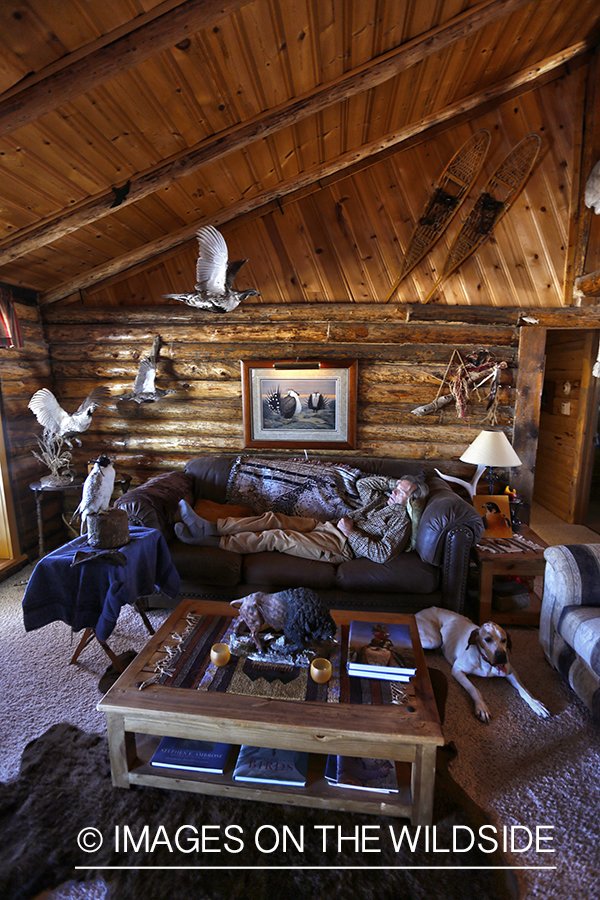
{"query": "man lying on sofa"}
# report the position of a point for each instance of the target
(379, 530)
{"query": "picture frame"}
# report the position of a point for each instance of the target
(318, 414)
(494, 510)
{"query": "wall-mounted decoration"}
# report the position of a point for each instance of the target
(450, 192)
(144, 386)
(463, 377)
(308, 405)
(494, 201)
(214, 275)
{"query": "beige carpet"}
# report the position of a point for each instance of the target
(523, 770)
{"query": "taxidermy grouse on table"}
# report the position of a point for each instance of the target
(57, 422)
(144, 389)
(214, 276)
(97, 490)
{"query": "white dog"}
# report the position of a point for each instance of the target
(472, 650)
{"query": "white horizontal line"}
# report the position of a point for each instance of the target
(315, 868)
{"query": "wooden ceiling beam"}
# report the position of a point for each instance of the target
(363, 78)
(126, 47)
(588, 285)
(316, 178)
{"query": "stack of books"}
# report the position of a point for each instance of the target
(362, 773)
(270, 766)
(380, 650)
(192, 756)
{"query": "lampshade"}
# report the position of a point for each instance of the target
(491, 448)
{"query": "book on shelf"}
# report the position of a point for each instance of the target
(271, 766)
(362, 773)
(193, 756)
(383, 650)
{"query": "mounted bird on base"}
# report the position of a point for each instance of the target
(97, 490)
(214, 276)
(59, 423)
(144, 390)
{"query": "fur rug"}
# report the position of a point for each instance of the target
(64, 786)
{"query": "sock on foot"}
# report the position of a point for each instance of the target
(197, 526)
(184, 534)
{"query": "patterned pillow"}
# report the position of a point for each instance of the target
(414, 508)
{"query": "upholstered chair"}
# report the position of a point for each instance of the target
(570, 618)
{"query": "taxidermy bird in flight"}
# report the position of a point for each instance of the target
(214, 276)
(144, 389)
(97, 490)
(59, 423)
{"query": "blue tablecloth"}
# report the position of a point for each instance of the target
(91, 594)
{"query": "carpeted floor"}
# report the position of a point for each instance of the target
(521, 770)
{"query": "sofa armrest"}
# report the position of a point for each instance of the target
(455, 567)
(444, 512)
(155, 504)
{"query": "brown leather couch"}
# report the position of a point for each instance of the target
(434, 574)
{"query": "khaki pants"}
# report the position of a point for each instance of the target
(296, 535)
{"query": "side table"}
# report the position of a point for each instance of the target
(527, 562)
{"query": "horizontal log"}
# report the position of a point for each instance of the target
(588, 285)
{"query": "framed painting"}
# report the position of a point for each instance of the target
(299, 405)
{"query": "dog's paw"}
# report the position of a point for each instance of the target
(539, 708)
(482, 712)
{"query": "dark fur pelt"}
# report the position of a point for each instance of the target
(306, 617)
(65, 786)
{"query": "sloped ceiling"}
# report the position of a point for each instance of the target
(125, 125)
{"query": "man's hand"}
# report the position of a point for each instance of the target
(346, 525)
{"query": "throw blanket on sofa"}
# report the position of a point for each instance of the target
(324, 491)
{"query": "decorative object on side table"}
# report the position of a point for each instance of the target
(490, 448)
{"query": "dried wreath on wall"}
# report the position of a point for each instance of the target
(463, 377)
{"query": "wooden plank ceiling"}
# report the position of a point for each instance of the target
(205, 111)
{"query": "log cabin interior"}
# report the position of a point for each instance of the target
(312, 135)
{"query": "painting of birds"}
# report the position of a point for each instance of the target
(286, 405)
(97, 490)
(144, 387)
(59, 423)
(214, 276)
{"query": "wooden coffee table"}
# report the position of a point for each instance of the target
(409, 733)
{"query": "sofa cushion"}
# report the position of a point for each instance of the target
(210, 475)
(405, 574)
(212, 511)
(206, 565)
(579, 626)
(282, 570)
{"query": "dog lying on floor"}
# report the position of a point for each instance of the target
(472, 650)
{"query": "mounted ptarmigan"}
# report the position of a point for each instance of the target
(97, 490)
(144, 390)
(57, 422)
(214, 276)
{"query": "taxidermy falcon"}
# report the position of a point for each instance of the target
(97, 490)
(144, 390)
(57, 422)
(214, 276)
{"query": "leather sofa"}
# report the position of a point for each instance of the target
(433, 574)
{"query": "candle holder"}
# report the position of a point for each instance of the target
(220, 654)
(320, 670)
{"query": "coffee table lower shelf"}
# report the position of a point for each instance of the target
(318, 793)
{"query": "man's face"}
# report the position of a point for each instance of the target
(401, 492)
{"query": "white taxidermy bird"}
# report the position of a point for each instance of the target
(214, 275)
(97, 490)
(56, 421)
(144, 389)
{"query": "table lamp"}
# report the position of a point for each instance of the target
(490, 448)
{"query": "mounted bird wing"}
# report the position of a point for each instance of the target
(211, 268)
(95, 398)
(145, 378)
(47, 410)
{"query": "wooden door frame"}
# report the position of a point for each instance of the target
(583, 463)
